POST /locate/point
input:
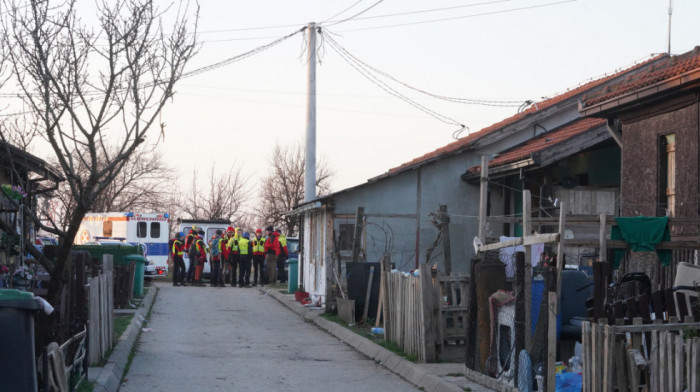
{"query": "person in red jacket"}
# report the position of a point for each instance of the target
(202, 257)
(272, 251)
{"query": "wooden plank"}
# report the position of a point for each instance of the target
(446, 249)
(654, 362)
(519, 322)
(528, 240)
(663, 362)
(587, 354)
(620, 366)
(633, 371)
(696, 365)
(602, 239)
(367, 294)
(483, 198)
(357, 237)
(380, 303)
(670, 364)
(679, 365)
(426, 291)
(608, 358)
(656, 327)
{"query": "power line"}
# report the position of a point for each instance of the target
(379, 83)
(357, 14)
(430, 10)
(469, 101)
(460, 17)
(240, 56)
(343, 11)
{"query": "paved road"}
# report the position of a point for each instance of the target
(236, 339)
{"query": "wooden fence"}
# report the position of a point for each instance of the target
(413, 319)
(657, 357)
(101, 303)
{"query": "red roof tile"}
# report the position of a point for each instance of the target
(465, 142)
(541, 142)
(672, 66)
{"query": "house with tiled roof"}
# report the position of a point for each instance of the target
(655, 117)
(398, 207)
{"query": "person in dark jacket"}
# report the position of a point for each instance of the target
(245, 250)
(272, 251)
(178, 262)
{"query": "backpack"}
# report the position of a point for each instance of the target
(214, 247)
(192, 251)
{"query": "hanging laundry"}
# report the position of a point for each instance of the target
(642, 234)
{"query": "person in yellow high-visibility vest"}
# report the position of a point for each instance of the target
(258, 257)
(178, 262)
(234, 256)
(246, 253)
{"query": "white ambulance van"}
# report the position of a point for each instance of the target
(148, 229)
(210, 227)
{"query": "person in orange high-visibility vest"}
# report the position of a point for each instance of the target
(178, 262)
(201, 256)
(258, 243)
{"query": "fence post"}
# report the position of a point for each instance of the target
(470, 349)
(519, 322)
(426, 283)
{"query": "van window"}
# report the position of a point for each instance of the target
(212, 230)
(155, 229)
(107, 228)
(141, 228)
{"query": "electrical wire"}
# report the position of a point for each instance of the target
(379, 83)
(357, 14)
(429, 10)
(468, 101)
(460, 17)
(342, 12)
(240, 56)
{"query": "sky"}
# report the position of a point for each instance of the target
(507, 50)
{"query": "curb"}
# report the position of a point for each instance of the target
(110, 376)
(404, 368)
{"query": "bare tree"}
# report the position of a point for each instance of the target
(143, 184)
(222, 197)
(283, 187)
(93, 93)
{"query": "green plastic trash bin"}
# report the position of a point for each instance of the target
(17, 362)
(293, 282)
(139, 264)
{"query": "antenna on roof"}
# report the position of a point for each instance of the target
(670, 12)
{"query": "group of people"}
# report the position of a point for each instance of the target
(232, 255)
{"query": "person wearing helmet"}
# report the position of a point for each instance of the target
(200, 255)
(258, 243)
(282, 258)
(245, 252)
(178, 249)
(234, 257)
(215, 253)
(272, 251)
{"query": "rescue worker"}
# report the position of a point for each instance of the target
(178, 262)
(225, 254)
(258, 256)
(282, 258)
(272, 251)
(234, 257)
(201, 256)
(188, 246)
(245, 250)
(215, 254)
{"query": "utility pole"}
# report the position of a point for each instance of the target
(310, 162)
